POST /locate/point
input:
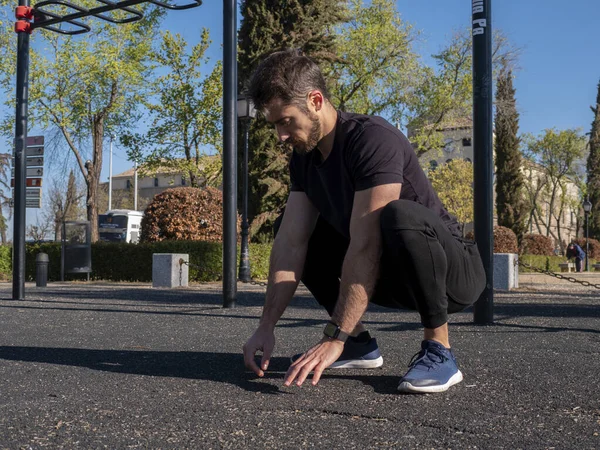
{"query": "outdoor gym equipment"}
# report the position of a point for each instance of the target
(42, 15)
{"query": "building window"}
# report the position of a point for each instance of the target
(466, 142)
(449, 145)
(183, 181)
(128, 184)
(433, 164)
(155, 182)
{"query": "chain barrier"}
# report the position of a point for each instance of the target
(557, 275)
(187, 263)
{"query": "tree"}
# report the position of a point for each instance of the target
(39, 231)
(267, 26)
(446, 91)
(593, 170)
(554, 155)
(84, 87)
(379, 78)
(64, 204)
(454, 184)
(510, 205)
(185, 114)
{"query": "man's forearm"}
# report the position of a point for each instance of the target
(359, 277)
(285, 270)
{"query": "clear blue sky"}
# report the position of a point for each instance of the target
(559, 66)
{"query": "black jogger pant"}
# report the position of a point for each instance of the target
(423, 267)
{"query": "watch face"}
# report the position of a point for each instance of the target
(331, 330)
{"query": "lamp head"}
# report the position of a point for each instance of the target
(245, 107)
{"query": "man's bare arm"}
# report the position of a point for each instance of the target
(287, 263)
(361, 264)
(288, 255)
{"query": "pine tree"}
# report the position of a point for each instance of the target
(510, 204)
(268, 26)
(593, 171)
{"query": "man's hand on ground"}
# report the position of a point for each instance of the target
(317, 359)
(262, 340)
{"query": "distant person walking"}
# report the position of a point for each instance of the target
(575, 251)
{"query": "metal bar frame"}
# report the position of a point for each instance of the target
(24, 15)
(229, 152)
(482, 156)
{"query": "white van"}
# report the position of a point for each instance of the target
(120, 225)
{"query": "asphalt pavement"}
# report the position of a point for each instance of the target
(99, 365)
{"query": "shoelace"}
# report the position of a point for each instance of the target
(424, 358)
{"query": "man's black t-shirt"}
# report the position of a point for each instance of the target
(367, 152)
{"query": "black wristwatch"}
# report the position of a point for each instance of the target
(333, 331)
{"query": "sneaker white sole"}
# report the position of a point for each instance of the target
(405, 386)
(358, 364)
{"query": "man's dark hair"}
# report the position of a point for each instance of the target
(287, 75)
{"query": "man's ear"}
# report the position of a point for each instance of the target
(316, 100)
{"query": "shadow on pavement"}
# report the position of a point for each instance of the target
(218, 367)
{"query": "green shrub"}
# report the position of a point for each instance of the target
(5, 262)
(133, 262)
(536, 244)
(543, 262)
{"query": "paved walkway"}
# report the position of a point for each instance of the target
(125, 366)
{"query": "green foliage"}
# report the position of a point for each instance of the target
(5, 261)
(536, 244)
(185, 112)
(550, 263)
(267, 26)
(553, 156)
(453, 183)
(133, 262)
(184, 213)
(377, 70)
(510, 205)
(593, 170)
(82, 88)
(445, 93)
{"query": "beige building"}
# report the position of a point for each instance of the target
(562, 225)
(148, 185)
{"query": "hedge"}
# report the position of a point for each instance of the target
(133, 262)
(545, 262)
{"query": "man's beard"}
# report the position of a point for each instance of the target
(313, 137)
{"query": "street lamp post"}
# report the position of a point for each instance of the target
(587, 207)
(245, 113)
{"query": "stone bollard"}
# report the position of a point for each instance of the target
(167, 272)
(506, 271)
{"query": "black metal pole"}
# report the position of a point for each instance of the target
(229, 152)
(482, 157)
(244, 273)
(587, 244)
(20, 168)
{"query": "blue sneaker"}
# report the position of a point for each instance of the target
(433, 369)
(356, 355)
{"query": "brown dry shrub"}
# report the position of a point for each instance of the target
(184, 213)
(505, 240)
(536, 244)
(594, 247)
